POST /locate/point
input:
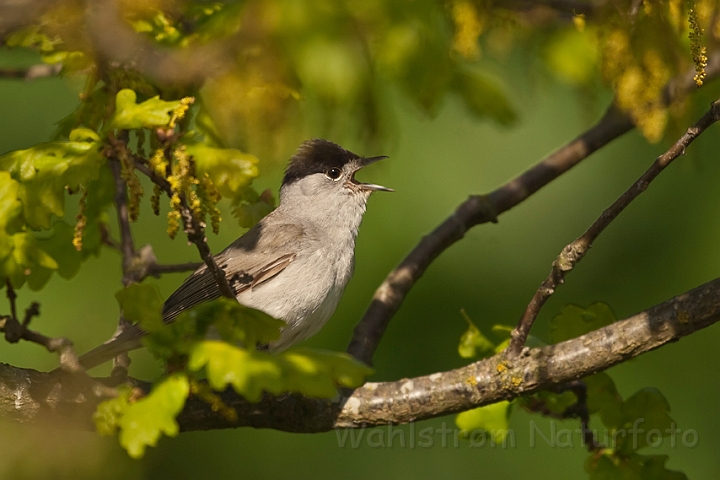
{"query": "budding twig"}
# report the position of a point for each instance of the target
(15, 331)
(194, 230)
(127, 248)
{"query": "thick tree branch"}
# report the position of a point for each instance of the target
(576, 251)
(479, 209)
(31, 396)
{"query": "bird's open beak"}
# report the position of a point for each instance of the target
(364, 162)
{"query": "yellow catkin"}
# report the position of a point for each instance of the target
(468, 27)
(173, 223)
(699, 51)
(180, 111)
(209, 196)
(579, 22)
(638, 74)
(182, 182)
(159, 163)
(80, 223)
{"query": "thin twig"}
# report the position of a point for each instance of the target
(12, 297)
(479, 209)
(127, 248)
(578, 410)
(15, 331)
(193, 229)
(575, 251)
(32, 311)
(107, 239)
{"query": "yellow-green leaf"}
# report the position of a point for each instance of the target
(473, 342)
(47, 170)
(574, 321)
(141, 303)
(230, 170)
(493, 419)
(152, 113)
(144, 421)
(313, 373)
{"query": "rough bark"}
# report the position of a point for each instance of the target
(32, 397)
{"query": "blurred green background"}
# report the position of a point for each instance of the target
(663, 245)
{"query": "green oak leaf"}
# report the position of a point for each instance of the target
(47, 170)
(310, 368)
(141, 303)
(251, 207)
(250, 372)
(30, 37)
(144, 421)
(10, 207)
(233, 322)
(504, 333)
(574, 321)
(32, 257)
(426, 87)
(555, 403)
(58, 244)
(27, 262)
(603, 398)
(151, 113)
(484, 96)
(108, 413)
(229, 169)
(572, 56)
(473, 343)
(610, 466)
(493, 419)
(646, 410)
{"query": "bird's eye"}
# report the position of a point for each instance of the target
(334, 173)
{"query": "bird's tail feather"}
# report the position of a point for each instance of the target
(126, 341)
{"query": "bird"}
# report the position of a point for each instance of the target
(295, 263)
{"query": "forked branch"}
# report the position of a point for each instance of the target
(576, 251)
(479, 209)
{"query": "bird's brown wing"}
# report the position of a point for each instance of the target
(253, 259)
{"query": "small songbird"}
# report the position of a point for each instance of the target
(295, 263)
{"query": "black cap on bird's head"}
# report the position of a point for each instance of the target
(322, 156)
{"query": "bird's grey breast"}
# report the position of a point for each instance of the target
(307, 291)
